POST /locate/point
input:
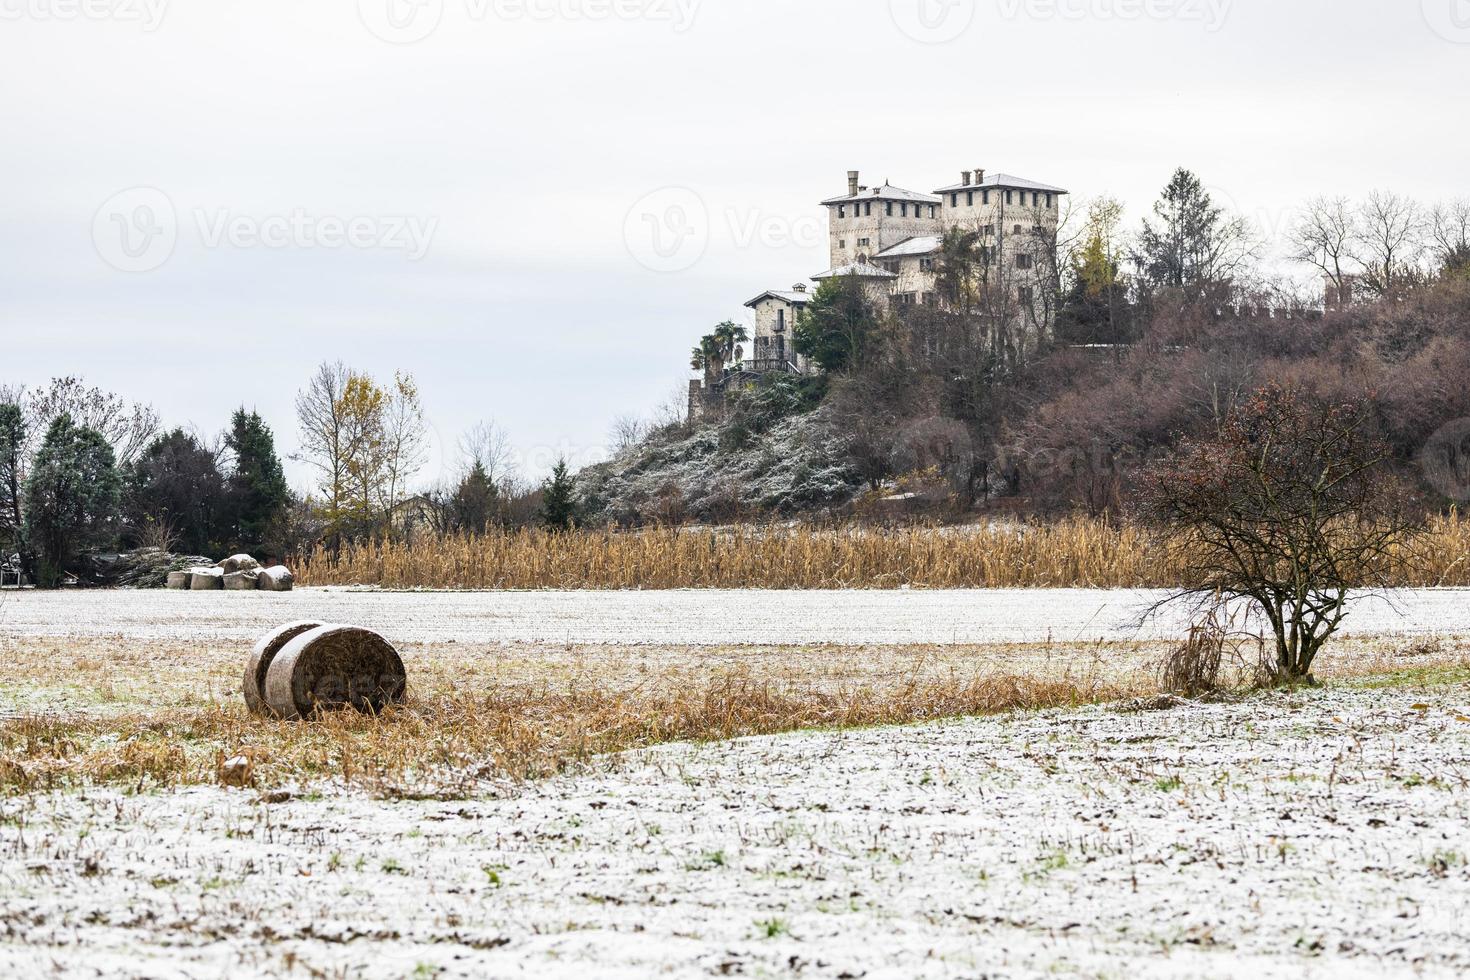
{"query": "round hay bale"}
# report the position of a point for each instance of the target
(335, 667)
(260, 661)
(204, 579)
(238, 563)
(239, 581)
(178, 580)
(275, 579)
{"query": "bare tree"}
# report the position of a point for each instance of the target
(405, 439)
(128, 427)
(488, 446)
(1449, 233)
(1323, 238)
(1288, 506)
(627, 431)
(1389, 241)
(326, 443)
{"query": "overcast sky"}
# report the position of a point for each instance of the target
(537, 206)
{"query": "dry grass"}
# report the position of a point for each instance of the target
(525, 712)
(513, 713)
(1075, 553)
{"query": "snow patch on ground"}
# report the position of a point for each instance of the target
(678, 617)
(1320, 834)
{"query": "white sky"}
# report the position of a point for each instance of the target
(525, 134)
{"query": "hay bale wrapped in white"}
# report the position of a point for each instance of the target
(240, 581)
(204, 579)
(263, 656)
(239, 563)
(334, 667)
(276, 579)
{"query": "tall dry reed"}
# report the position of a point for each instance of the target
(1077, 552)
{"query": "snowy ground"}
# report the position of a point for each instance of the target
(1318, 835)
(685, 618)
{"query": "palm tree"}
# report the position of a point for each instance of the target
(708, 357)
(731, 336)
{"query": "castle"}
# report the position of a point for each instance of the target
(889, 239)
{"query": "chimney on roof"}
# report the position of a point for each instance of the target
(979, 176)
(799, 287)
(852, 183)
(964, 178)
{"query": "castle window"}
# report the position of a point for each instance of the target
(1018, 230)
(864, 242)
(954, 199)
(842, 212)
(990, 231)
(868, 209)
(926, 265)
(1048, 199)
(933, 210)
(888, 207)
(1026, 295)
(905, 209)
(1008, 197)
(970, 199)
(842, 243)
(780, 319)
(1023, 262)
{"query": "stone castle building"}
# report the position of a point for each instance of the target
(889, 238)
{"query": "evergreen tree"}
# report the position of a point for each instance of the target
(256, 492)
(12, 477)
(72, 497)
(474, 501)
(558, 499)
(1194, 241)
(837, 326)
(175, 486)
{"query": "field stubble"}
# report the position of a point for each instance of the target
(84, 712)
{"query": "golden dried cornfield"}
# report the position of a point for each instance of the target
(1076, 552)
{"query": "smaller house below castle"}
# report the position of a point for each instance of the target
(772, 348)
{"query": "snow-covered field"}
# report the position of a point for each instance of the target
(1316, 835)
(693, 618)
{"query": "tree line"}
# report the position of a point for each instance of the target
(82, 471)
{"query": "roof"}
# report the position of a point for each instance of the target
(918, 245)
(885, 193)
(860, 269)
(786, 295)
(1005, 180)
